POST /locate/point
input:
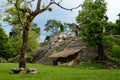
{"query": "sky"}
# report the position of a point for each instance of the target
(113, 8)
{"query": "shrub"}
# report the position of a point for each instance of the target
(116, 51)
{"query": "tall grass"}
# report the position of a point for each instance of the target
(59, 73)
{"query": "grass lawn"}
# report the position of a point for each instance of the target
(58, 73)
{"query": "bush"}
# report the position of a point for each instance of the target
(116, 51)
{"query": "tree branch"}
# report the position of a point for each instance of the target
(51, 2)
(26, 10)
(58, 4)
(38, 10)
(18, 13)
(38, 5)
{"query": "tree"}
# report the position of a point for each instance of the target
(54, 26)
(25, 16)
(93, 19)
(110, 28)
(113, 28)
(3, 45)
(118, 25)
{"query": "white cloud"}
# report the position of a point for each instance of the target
(113, 9)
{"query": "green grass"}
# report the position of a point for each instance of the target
(92, 65)
(59, 73)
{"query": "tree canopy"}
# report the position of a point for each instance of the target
(3, 44)
(93, 18)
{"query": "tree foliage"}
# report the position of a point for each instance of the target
(33, 38)
(93, 19)
(110, 28)
(15, 38)
(93, 15)
(54, 26)
(113, 28)
(117, 29)
(3, 41)
(5, 48)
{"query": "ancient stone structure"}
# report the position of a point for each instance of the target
(67, 57)
(59, 43)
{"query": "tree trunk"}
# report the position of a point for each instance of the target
(22, 60)
(101, 56)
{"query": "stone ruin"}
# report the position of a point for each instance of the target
(58, 43)
(55, 40)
